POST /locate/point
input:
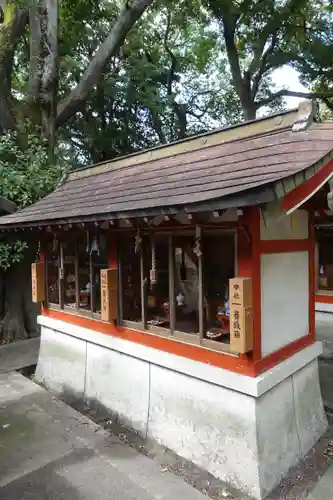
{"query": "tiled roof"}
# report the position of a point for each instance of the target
(183, 179)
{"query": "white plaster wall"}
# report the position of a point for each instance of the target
(284, 299)
(290, 419)
(275, 225)
(61, 363)
(278, 443)
(120, 383)
(310, 418)
(209, 425)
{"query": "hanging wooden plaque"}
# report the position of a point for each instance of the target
(109, 294)
(38, 282)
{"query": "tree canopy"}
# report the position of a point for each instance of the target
(95, 80)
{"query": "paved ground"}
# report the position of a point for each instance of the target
(49, 451)
(19, 355)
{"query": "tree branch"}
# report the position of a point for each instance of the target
(49, 80)
(328, 103)
(170, 54)
(35, 53)
(292, 93)
(199, 94)
(229, 15)
(198, 116)
(229, 27)
(128, 16)
(256, 61)
(158, 125)
(263, 65)
(179, 109)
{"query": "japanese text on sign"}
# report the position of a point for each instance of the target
(235, 293)
(104, 280)
(236, 323)
(104, 299)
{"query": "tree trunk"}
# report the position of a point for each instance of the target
(249, 111)
(247, 100)
(18, 315)
(181, 114)
(229, 17)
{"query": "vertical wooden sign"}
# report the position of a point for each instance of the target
(241, 318)
(38, 282)
(109, 294)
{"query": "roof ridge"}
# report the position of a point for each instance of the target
(194, 137)
(270, 132)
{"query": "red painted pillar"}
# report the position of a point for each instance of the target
(312, 276)
(248, 258)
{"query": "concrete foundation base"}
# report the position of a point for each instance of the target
(245, 431)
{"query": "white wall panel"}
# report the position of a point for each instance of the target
(284, 299)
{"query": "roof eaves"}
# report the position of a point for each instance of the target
(249, 197)
(284, 186)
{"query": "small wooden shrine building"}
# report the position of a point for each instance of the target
(177, 289)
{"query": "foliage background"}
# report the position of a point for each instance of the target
(26, 175)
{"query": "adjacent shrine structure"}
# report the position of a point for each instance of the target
(178, 292)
